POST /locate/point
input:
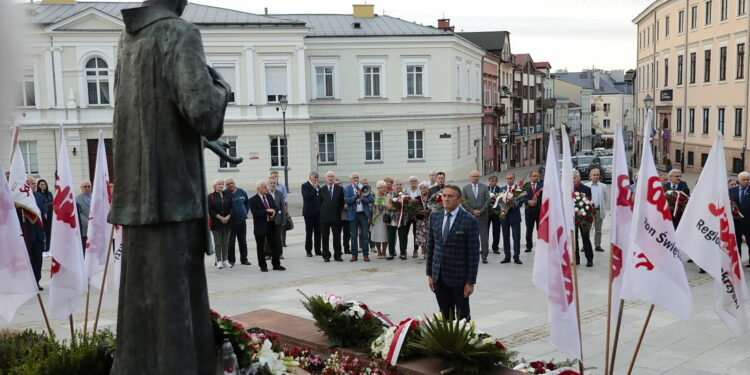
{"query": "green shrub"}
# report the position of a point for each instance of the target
(15, 346)
(85, 355)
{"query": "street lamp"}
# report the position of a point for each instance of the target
(648, 101)
(283, 102)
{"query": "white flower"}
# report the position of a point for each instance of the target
(268, 357)
(588, 207)
(580, 203)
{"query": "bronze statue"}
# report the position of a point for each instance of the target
(169, 106)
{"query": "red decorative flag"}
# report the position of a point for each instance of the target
(68, 280)
(99, 229)
(552, 272)
(20, 190)
(622, 215)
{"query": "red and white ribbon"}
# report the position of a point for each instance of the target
(398, 342)
(382, 318)
(401, 214)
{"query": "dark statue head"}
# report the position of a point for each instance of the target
(178, 6)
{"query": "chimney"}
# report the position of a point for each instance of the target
(597, 75)
(265, 10)
(58, 1)
(445, 24)
(364, 10)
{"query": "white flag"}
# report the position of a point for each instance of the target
(116, 258)
(567, 181)
(655, 273)
(22, 194)
(706, 234)
(622, 215)
(553, 273)
(17, 281)
(68, 279)
(99, 229)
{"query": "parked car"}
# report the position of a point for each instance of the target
(582, 163)
(604, 164)
(601, 151)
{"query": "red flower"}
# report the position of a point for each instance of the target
(569, 372)
(363, 306)
(368, 315)
(214, 314)
(551, 366)
(537, 364)
(247, 336)
(238, 326)
(500, 345)
(540, 370)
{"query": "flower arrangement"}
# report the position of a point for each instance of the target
(502, 202)
(403, 208)
(584, 211)
(254, 350)
(466, 349)
(346, 323)
(338, 364)
(677, 202)
(567, 367)
(435, 201)
(307, 360)
(736, 213)
(393, 343)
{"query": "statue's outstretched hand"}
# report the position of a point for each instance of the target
(219, 148)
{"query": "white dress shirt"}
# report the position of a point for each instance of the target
(452, 218)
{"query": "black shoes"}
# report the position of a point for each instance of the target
(517, 261)
(326, 260)
(495, 251)
(589, 263)
(506, 260)
(279, 268)
(338, 259)
(484, 260)
(599, 249)
(247, 263)
(309, 254)
(527, 251)
(263, 269)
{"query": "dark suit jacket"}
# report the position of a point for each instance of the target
(581, 188)
(534, 210)
(310, 202)
(682, 186)
(330, 208)
(514, 214)
(455, 259)
(434, 190)
(734, 196)
(260, 216)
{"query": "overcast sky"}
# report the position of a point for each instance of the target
(572, 34)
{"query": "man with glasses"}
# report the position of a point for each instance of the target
(239, 211)
(740, 195)
(83, 204)
(675, 183)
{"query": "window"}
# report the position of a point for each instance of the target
(707, 65)
(693, 17)
(709, 5)
(275, 83)
(738, 122)
(691, 120)
(25, 91)
(679, 70)
(721, 120)
(606, 124)
(655, 73)
(722, 63)
(705, 120)
(232, 151)
(97, 81)
(681, 21)
(666, 72)
(724, 10)
(458, 80)
(678, 126)
(229, 73)
(656, 30)
(666, 26)
(692, 67)
(278, 151)
(372, 81)
(691, 158)
(373, 150)
(740, 60)
(704, 157)
(740, 8)
(326, 148)
(607, 107)
(28, 151)
(414, 77)
(678, 156)
(458, 142)
(415, 147)
(324, 81)
(468, 138)
(737, 166)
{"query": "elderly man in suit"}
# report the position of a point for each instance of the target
(452, 260)
(585, 234)
(493, 219)
(311, 213)
(600, 199)
(358, 216)
(264, 209)
(675, 183)
(512, 222)
(83, 204)
(477, 197)
(740, 195)
(531, 208)
(331, 198)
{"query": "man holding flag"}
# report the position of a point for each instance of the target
(707, 235)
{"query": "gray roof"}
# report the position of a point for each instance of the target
(488, 40)
(607, 85)
(47, 14)
(343, 25)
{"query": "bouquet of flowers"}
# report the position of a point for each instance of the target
(502, 202)
(584, 211)
(466, 349)
(736, 214)
(435, 201)
(403, 207)
(550, 368)
(307, 360)
(254, 350)
(337, 364)
(393, 343)
(346, 323)
(677, 202)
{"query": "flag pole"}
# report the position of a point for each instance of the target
(44, 314)
(578, 305)
(617, 337)
(640, 339)
(72, 331)
(86, 314)
(110, 246)
(609, 309)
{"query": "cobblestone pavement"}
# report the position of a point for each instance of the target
(505, 304)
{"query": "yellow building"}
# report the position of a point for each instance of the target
(692, 62)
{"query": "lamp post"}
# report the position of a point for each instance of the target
(283, 102)
(647, 102)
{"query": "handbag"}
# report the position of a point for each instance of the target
(289, 225)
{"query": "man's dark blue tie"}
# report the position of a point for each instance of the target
(742, 194)
(447, 226)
